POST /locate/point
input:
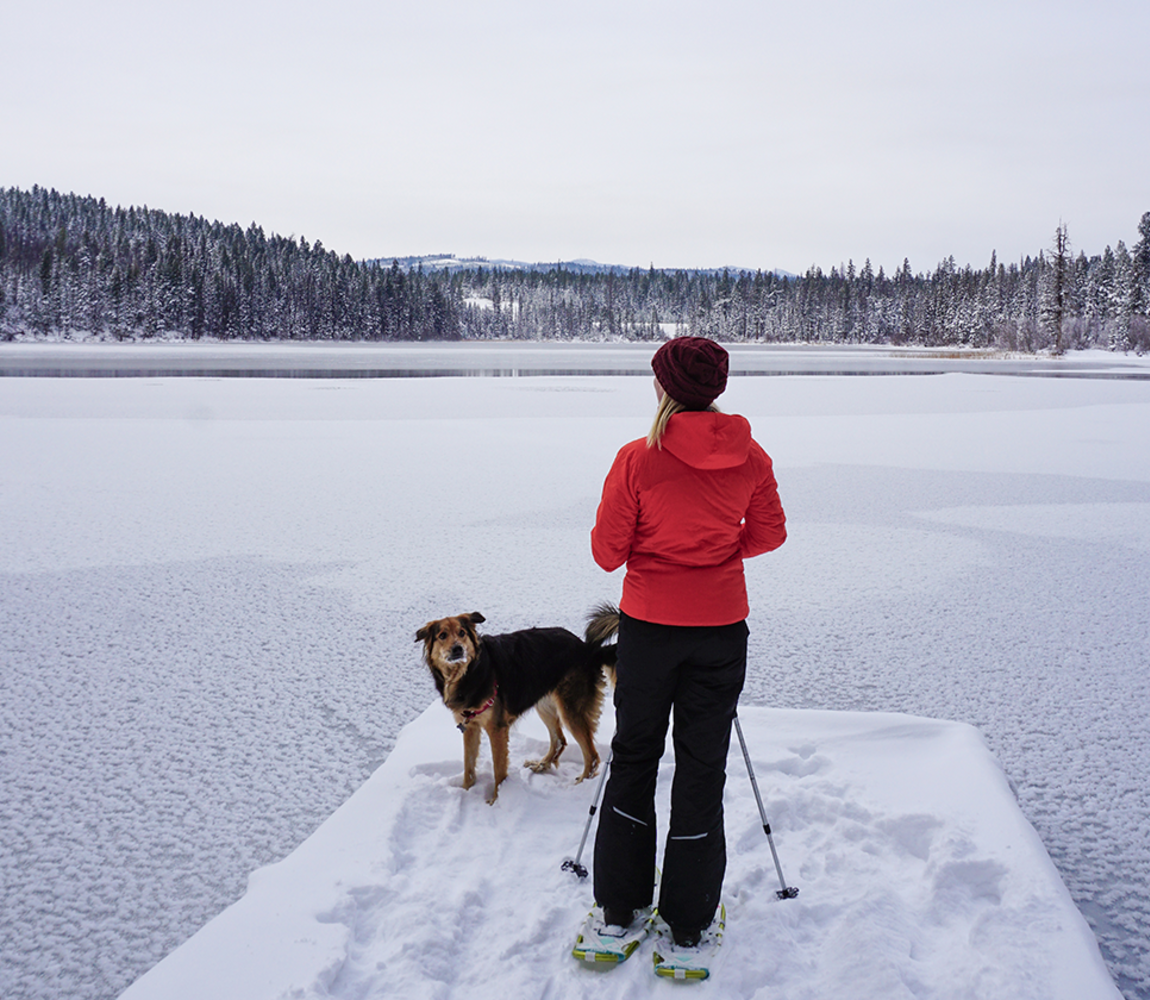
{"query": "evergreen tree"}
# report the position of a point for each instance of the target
(1140, 259)
(1056, 289)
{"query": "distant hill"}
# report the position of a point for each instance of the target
(449, 262)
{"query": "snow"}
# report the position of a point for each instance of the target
(208, 595)
(918, 877)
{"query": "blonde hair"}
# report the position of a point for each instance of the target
(667, 408)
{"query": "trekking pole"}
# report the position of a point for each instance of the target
(572, 864)
(786, 892)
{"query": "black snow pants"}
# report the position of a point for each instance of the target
(698, 673)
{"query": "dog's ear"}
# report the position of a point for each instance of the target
(424, 632)
(475, 618)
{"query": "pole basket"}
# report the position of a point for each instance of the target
(571, 865)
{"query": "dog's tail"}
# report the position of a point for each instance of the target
(603, 625)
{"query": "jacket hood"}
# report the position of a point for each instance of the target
(708, 440)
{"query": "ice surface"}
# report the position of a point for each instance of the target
(209, 590)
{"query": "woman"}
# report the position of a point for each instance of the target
(682, 509)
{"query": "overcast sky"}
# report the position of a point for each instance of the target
(731, 132)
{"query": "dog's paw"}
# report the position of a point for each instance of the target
(541, 766)
(588, 773)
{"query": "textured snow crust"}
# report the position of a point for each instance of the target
(209, 590)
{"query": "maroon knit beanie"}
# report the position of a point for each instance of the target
(691, 370)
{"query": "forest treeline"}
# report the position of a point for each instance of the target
(74, 266)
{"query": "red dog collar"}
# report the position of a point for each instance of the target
(472, 713)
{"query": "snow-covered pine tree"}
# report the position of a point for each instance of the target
(1139, 329)
(1055, 289)
(1122, 298)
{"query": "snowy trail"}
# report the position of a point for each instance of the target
(918, 877)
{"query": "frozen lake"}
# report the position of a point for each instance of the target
(209, 589)
(511, 359)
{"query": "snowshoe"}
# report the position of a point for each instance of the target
(675, 962)
(599, 942)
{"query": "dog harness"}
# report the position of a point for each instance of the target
(472, 713)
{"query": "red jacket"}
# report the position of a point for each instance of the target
(684, 517)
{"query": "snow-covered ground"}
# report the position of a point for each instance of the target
(919, 878)
(209, 590)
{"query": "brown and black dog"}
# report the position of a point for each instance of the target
(488, 681)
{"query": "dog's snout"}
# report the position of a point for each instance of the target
(456, 652)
